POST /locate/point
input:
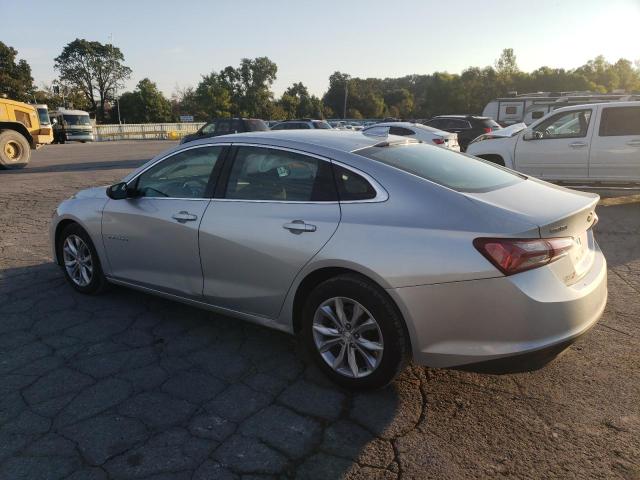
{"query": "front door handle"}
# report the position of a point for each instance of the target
(298, 227)
(184, 216)
(577, 144)
(634, 143)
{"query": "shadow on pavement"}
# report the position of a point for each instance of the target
(136, 386)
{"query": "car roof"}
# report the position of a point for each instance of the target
(341, 140)
(466, 117)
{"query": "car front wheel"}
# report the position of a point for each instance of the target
(355, 332)
(80, 261)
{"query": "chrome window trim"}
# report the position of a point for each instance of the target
(221, 144)
(381, 194)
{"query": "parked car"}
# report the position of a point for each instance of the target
(302, 124)
(373, 252)
(225, 126)
(582, 143)
(467, 127)
(417, 131)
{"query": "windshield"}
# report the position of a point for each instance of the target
(322, 125)
(43, 116)
(460, 172)
(75, 120)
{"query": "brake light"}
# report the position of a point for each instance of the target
(438, 141)
(488, 129)
(515, 255)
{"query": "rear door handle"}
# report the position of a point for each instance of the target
(634, 143)
(298, 227)
(577, 144)
(184, 216)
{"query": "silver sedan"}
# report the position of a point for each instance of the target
(374, 250)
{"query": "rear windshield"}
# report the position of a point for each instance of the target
(457, 171)
(322, 125)
(256, 125)
(491, 124)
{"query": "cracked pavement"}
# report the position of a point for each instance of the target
(126, 385)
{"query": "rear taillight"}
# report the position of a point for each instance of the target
(512, 256)
(438, 141)
(487, 129)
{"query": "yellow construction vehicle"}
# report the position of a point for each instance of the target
(21, 130)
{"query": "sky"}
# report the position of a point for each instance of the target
(175, 42)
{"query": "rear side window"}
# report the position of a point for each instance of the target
(444, 167)
(270, 174)
(492, 124)
(620, 121)
(351, 186)
(254, 125)
(321, 125)
(401, 131)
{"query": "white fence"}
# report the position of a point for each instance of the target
(144, 131)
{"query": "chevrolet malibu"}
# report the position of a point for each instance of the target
(374, 250)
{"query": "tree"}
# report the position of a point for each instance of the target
(506, 64)
(96, 69)
(296, 102)
(16, 81)
(146, 104)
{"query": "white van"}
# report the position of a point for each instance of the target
(582, 143)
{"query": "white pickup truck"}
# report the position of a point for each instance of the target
(582, 143)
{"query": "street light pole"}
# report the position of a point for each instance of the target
(346, 92)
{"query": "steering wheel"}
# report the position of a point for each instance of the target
(195, 187)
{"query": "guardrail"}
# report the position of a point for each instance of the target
(144, 131)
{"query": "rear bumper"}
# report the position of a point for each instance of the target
(502, 324)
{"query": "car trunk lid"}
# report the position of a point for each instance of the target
(558, 212)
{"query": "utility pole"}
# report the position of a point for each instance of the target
(346, 93)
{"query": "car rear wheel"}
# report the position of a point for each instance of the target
(15, 150)
(355, 332)
(80, 261)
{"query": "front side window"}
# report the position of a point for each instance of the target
(183, 175)
(255, 125)
(442, 166)
(572, 124)
(321, 124)
(224, 126)
(269, 174)
(620, 121)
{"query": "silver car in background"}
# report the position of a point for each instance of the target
(375, 250)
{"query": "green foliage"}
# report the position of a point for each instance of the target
(16, 81)
(146, 104)
(296, 102)
(96, 69)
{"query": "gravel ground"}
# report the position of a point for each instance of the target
(127, 385)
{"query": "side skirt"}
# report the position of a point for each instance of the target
(264, 321)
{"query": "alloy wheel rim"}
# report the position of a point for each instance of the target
(77, 260)
(347, 337)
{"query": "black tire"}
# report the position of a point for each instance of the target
(15, 151)
(98, 282)
(397, 347)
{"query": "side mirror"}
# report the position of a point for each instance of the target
(529, 135)
(119, 191)
(54, 121)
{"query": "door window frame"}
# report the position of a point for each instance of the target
(214, 177)
(223, 178)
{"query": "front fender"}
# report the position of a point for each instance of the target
(86, 212)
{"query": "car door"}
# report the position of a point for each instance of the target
(152, 238)
(615, 150)
(558, 147)
(278, 210)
